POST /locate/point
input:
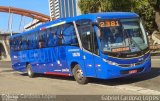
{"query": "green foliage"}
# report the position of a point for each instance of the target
(155, 4)
(89, 6)
(147, 14)
(145, 8)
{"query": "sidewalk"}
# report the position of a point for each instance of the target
(155, 57)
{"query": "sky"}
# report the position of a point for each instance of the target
(40, 6)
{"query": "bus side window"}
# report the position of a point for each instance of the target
(69, 35)
(29, 41)
(24, 42)
(42, 39)
(35, 40)
(11, 44)
(16, 44)
(51, 36)
(59, 36)
(20, 43)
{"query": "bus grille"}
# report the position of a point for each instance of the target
(131, 65)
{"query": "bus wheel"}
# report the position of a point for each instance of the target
(29, 71)
(78, 75)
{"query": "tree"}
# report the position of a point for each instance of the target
(145, 8)
(89, 6)
(156, 5)
(147, 14)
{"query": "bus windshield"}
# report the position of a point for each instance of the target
(124, 36)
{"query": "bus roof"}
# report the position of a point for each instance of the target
(92, 16)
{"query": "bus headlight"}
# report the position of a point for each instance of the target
(110, 62)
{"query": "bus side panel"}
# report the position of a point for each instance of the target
(34, 58)
(100, 67)
(39, 59)
(75, 55)
(89, 64)
(62, 57)
(49, 60)
(56, 60)
(16, 61)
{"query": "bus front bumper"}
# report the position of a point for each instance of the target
(111, 72)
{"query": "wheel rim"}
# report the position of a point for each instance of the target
(29, 71)
(79, 74)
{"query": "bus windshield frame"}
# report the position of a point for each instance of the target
(131, 36)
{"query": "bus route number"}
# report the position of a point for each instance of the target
(109, 23)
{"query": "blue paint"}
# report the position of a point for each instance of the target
(58, 55)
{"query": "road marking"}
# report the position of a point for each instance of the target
(140, 90)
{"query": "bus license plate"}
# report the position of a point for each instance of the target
(133, 71)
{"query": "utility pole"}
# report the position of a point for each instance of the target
(10, 21)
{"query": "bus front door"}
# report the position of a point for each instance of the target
(89, 63)
(89, 44)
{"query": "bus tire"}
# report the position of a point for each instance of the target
(78, 75)
(30, 71)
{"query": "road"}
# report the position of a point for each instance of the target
(12, 82)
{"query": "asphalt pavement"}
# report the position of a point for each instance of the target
(13, 82)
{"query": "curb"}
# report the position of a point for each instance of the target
(139, 90)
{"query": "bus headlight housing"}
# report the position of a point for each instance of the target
(110, 62)
(127, 65)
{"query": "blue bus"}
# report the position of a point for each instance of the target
(99, 45)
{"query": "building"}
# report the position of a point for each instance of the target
(32, 25)
(4, 46)
(63, 8)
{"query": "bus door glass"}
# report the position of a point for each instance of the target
(89, 45)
